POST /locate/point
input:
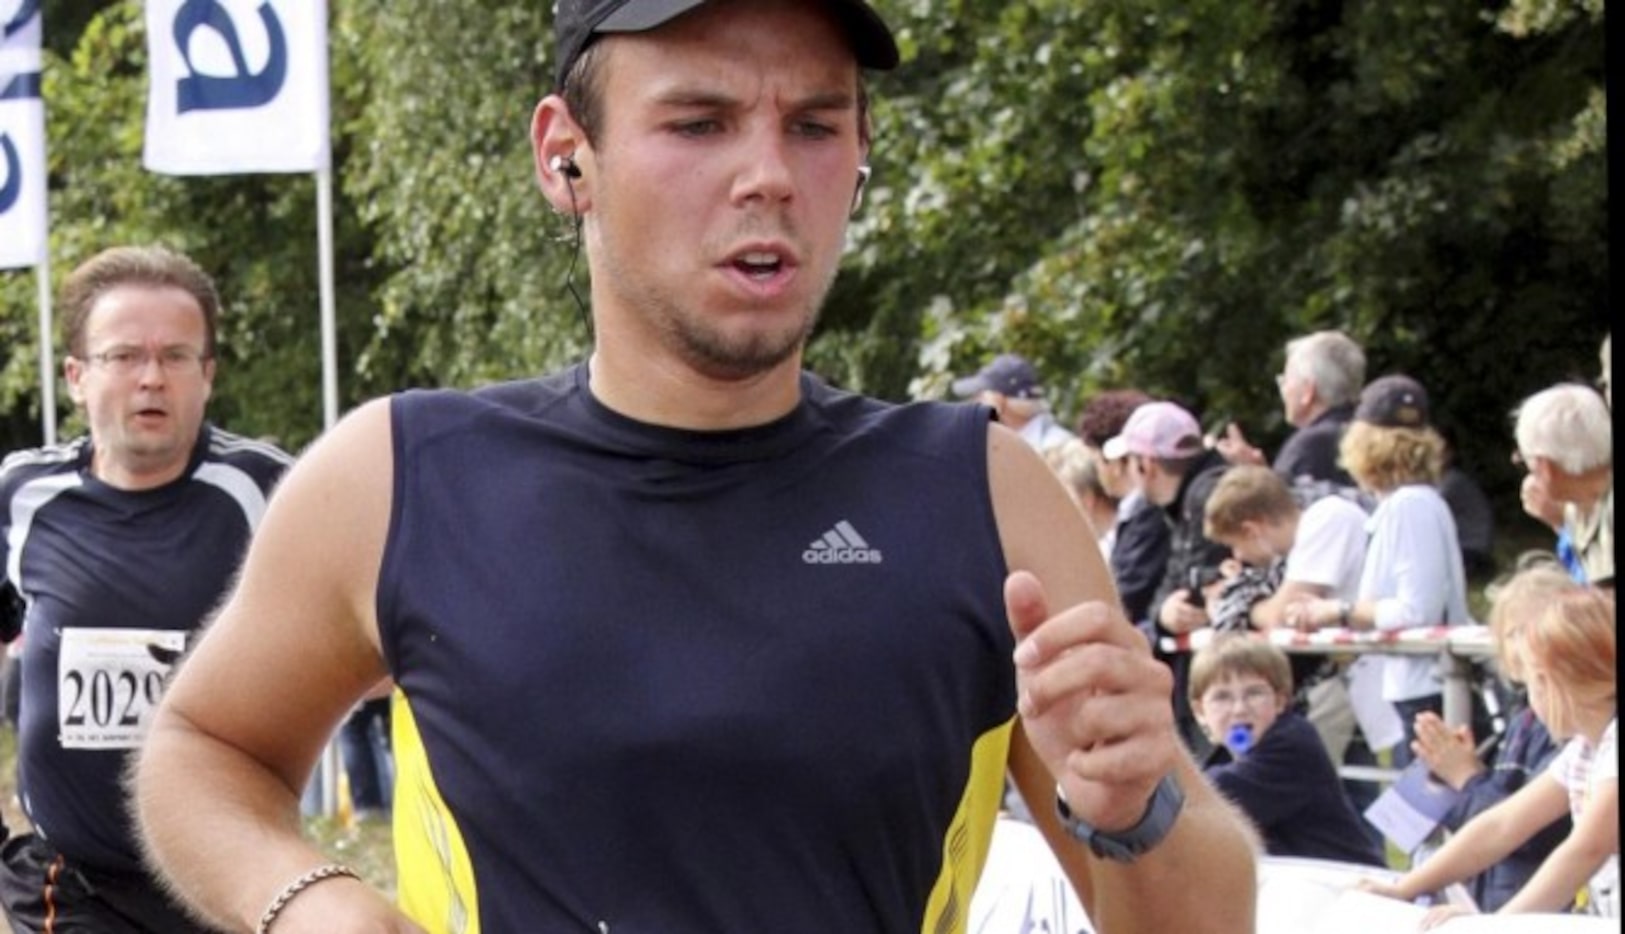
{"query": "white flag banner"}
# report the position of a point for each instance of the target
(22, 137)
(236, 86)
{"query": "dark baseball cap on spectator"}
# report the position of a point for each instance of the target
(1157, 429)
(1008, 375)
(1394, 401)
(577, 23)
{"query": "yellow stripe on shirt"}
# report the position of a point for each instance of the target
(435, 875)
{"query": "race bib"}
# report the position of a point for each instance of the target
(108, 682)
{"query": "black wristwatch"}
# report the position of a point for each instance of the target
(1125, 846)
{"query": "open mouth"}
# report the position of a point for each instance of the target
(759, 264)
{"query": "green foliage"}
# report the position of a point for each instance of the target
(1161, 194)
(475, 259)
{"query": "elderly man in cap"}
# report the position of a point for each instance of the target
(1177, 471)
(682, 638)
(1011, 387)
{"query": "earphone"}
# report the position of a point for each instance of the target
(857, 193)
(566, 166)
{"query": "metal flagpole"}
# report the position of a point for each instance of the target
(47, 354)
(324, 242)
(330, 764)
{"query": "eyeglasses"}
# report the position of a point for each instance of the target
(127, 361)
(1256, 696)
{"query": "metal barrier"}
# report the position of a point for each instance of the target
(1457, 647)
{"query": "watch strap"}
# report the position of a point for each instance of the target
(1125, 846)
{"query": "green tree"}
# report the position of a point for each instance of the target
(474, 259)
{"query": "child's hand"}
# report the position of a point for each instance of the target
(1449, 752)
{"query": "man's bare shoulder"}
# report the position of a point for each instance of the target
(333, 506)
(353, 449)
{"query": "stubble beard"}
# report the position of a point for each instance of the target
(719, 355)
(709, 349)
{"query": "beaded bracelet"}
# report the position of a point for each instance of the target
(329, 871)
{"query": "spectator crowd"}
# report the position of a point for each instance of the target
(1363, 522)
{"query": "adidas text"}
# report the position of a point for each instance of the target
(841, 556)
(841, 545)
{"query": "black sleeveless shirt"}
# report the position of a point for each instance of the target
(653, 680)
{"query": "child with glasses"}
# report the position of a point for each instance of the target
(1269, 760)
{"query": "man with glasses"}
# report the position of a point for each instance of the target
(114, 547)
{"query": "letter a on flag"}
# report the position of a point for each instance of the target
(22, 137)
(237, 86)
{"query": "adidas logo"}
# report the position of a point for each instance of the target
(841, 545)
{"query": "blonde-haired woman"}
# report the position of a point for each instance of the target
(1412, 576)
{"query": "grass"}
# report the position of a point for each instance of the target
(366, 846)
(9, 810)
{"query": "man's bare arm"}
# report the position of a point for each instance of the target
(218, 782)
(1097, 717)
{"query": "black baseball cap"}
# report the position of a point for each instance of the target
(577, 23)
(1008, 375)
(1393, 401)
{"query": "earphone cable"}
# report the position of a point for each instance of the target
(575, 256)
